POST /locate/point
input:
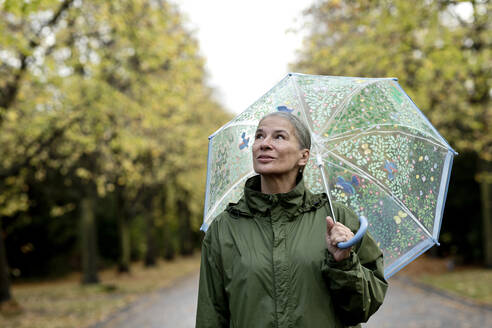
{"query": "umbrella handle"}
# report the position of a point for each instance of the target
(358, 236)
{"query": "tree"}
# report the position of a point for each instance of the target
(102, 101)
(22, 43)
(5, 294)
(441, 55)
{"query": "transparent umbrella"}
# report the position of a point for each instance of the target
(372, 150)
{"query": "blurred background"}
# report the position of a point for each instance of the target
(106, 106)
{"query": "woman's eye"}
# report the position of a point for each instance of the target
(280, 137)
(258, 136)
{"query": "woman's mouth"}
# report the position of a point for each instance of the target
(265, 158)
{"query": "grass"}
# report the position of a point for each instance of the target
(66, 303)
(473, 283)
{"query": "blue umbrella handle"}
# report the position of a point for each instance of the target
(360, 233)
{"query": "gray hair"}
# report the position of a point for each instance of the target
(300, 129)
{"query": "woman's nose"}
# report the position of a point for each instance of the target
(265, 143)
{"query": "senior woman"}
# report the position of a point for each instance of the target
(271, 260)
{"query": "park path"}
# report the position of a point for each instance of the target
(411, 306)
(406, 305)
(171, 307)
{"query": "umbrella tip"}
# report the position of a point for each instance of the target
(204, 227)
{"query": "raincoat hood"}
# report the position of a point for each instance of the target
(294, 202)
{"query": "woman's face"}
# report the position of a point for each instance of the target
(276, 150)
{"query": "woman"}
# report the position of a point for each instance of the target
(271, 259)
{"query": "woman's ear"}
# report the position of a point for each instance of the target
(304, 157)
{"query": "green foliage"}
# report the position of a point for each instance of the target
(98, 96)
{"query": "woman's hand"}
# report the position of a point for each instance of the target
(335, 233)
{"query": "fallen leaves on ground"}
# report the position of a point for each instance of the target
(66, 303)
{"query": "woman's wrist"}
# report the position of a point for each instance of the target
(344, 264)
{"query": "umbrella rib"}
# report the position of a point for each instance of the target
(425, 118)
(349, 135)
(368, 130)
(303, 103)
(320, 163)
(340, 135)
(346, 100)
(389, 192)
(217, 203)
(431, 138)
(249, 123)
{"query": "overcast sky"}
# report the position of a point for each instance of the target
(246, 44)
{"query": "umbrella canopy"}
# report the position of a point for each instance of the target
(372, 150)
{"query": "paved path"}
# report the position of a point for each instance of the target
(172, 307)
(406, 306)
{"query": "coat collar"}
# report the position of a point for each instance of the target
(256, 203)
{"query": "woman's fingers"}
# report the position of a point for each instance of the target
(329, 224)
(339, 239)
(340, 229)
(339, 233)
(336, 233)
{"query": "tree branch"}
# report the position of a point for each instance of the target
(9, 92)
(49, 136)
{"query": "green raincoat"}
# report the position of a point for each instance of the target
(265, 264)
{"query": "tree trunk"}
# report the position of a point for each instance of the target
(88, 241)
(124, 230)
(168, 238)
(125, 245)
(168, 242)
(5, 294)
(151, 252)
(486, 198)
(168, 250)
(185, 233)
